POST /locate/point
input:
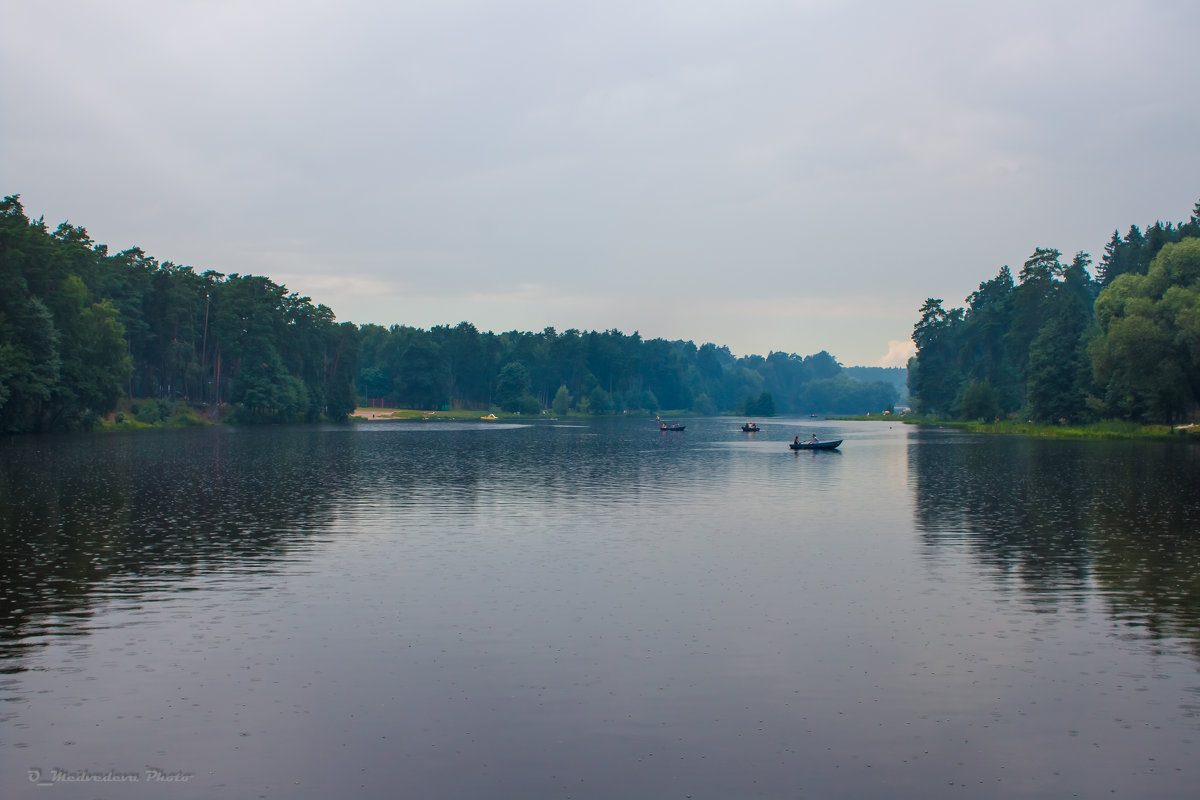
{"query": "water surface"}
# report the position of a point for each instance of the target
(598, 610)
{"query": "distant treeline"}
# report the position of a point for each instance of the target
(1057, 345)
(81, 329)
(599, 373)
(896, 376)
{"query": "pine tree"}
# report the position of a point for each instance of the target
(1113, 262)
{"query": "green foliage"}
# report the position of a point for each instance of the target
(97, 366)
(512, 384)
(151, 411)
(530, 405)
(1058, 366)
(980, 401)
(1109, 429)
(562, 401)
(62, 354)
(371, 382)
(841, 393)
(1132, 254)
(762, 406)
(1061, 349)
(154, 412)
(989, 353)
(599, 401)
(935, 374)
(1147, 352)
(79, 328)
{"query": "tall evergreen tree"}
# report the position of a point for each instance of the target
(1135, 244)
(1059, 366)
(984, 357)
(934, 377)
(1113, 262)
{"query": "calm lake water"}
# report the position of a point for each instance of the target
(598, 610)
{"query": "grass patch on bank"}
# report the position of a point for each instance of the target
(1108, 429)
(416, 414)
(1111, 429)
(142, 413)
(462, 414)
(410, 414)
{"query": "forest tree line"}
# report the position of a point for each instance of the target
(1056, 345)
(82, 328)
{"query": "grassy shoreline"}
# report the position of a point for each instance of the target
(1109, 429)
(460, 415)
(152, 414)
(456, 415)
(180, 416)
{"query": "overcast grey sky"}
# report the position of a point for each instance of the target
(794, 176)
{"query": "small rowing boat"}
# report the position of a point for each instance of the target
(833, 445)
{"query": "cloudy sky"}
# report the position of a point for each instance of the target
(794, 176)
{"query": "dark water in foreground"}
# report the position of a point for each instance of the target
(439, 610)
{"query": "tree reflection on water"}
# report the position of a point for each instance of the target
(1067, 521)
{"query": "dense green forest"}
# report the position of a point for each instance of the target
(82, 330)
(1056, 345)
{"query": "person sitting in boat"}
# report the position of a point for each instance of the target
(813, 440)
(796, 440)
